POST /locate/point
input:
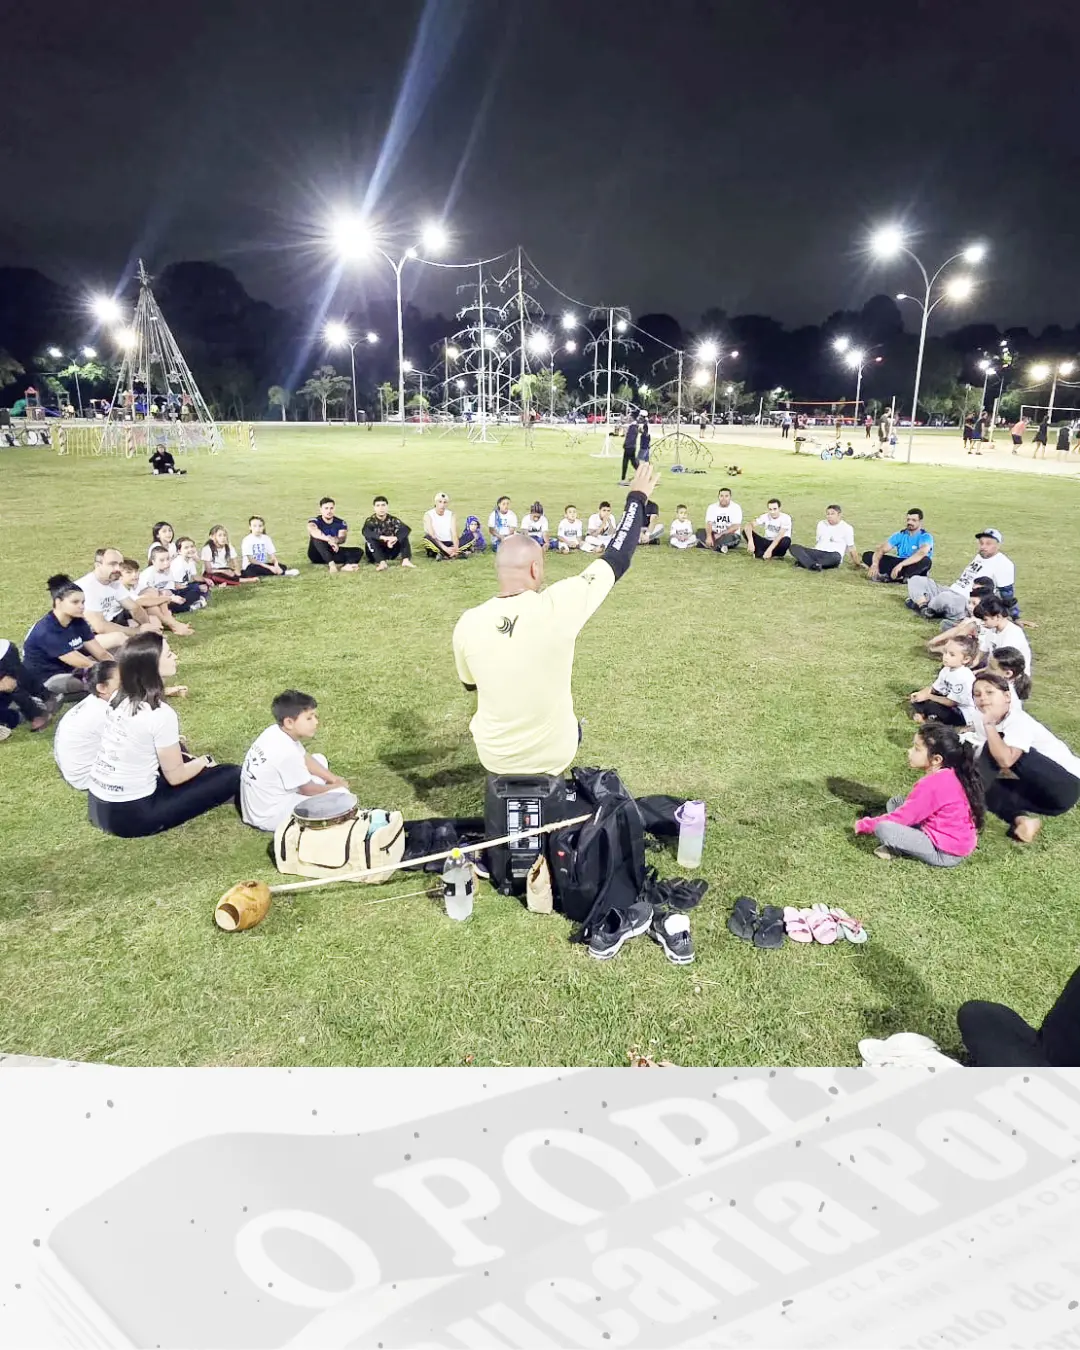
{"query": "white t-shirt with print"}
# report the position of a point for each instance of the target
(724, 519)
(531, 526)
(273, 769)
(150, 579)
(597, 526)
(999, 569)
(1012, 635)
(836, 538)
(682, 531)
(78, 740)
(183, 571)
(257, 548)
(956, 684)
(773, 529)
(103, 597)
(1022, 732)
(571, 529)
(126, 768)
(508, 526)
(217, 557)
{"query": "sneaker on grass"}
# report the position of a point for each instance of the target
(672, 931)
(617, 927)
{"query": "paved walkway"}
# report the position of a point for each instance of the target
(33, 1062)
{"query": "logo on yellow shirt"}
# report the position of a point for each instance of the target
(506, 626)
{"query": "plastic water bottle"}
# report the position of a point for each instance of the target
(691, 818)
(457, 878)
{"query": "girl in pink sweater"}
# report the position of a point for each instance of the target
(939, 820)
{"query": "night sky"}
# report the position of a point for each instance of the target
(661, 154)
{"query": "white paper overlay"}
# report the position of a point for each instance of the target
(520, 1208)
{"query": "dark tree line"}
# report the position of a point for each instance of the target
(239, 347)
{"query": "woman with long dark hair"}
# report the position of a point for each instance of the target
(143, 781)
(1043, 773)
(61, 648)
(939, 820)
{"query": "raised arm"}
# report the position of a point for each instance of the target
(628, 532)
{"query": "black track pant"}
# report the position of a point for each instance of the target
(27, 689)
(168, 806)
(998, 1038)
(888, 562)
(261, 569)
(378, 552)
(318, 552)
(815, 559)
(629, 460)
(939, 712)
(732, 539)
(760, 545)
(1041, 787)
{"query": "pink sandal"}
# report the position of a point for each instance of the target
(798, 930)
(823, 926)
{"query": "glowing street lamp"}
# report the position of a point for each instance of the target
(105, 309)
(338, 335)
(987, 368)
(352, 237)
(888, 243)
(1041, 370)
(710, 351)
(126, 339)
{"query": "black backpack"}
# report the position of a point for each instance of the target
(599, 865)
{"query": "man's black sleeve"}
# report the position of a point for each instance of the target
(618, 553)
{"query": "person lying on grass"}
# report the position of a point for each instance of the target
(949, 699)
(1030, 772)
(939, 820)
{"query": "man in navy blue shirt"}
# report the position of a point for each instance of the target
(907, 553)
(326, 540)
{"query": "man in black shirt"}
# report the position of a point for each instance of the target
(651, 529)
(386, 537)
(629, 450)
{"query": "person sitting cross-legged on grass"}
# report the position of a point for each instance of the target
(502, 522)
(949, 699)
(143, 781)
(939, 820)
(62, 647)
(601, 530)
(653, 529)
(385, 537)
(681, 532)
(535, 526)
(723, 524)
(571, 530)
(32, 702)
(1029, 772)
(775, 539)
(834, 539)
(327, 534)
(926, 597)
(994, 615)
(79, 731)
(278, 773)
(156, 590)
(220, 563)
(907, 553)
(258, 556)
(441, 540)
(110, 609)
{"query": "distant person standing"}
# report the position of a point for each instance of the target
(884, 430)
(868, 422)
(1064, 439)
(968, 431)
(785, 426)
(1017, 432)
(703, 422)
(1041, 437)
(629, 450)
(644, 438)
(978, 433)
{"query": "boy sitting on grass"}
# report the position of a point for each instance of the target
(153, 587)
(601, 530)
(278, 773)
(681, 534)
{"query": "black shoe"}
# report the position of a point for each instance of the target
(617, 927)
(743, 918)
(672, 932)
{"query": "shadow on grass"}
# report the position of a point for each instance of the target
(905, 1003)
(427, 767)
(858, 794)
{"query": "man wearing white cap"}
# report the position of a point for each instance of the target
(926, 597)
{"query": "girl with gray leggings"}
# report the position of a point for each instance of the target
(939, 820)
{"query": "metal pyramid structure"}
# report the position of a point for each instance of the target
(157, 401)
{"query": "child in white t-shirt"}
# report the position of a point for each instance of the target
(278, 773)
(535, 525)
(155, 591)
(601, 530)
(571, 531)
(949, 698)
(681, 531)
(184, 570)
(219, 560)
(502, 522)
(163, 534)
(258, 558)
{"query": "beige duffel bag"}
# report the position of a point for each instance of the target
(330, 836)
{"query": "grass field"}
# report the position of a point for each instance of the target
(749, 685)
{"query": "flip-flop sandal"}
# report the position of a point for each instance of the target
(850, 928)
(798, 930)
(769, 930)
(743, 918)
(823, 926)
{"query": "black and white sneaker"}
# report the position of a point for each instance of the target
(672, 931)
(617, 927)
(480, 867)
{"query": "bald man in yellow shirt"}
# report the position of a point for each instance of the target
(517, 650)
